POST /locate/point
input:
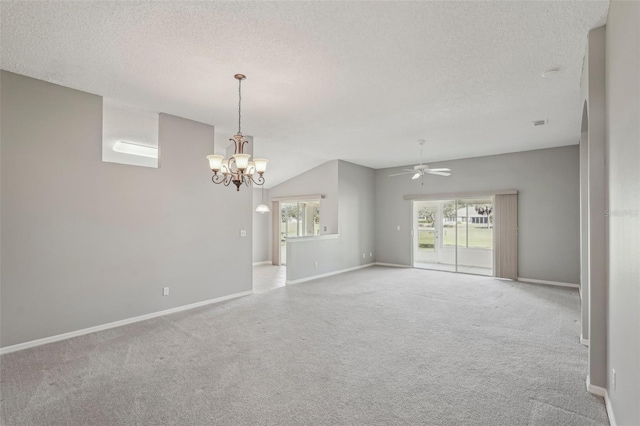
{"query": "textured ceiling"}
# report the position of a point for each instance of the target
(358, 81)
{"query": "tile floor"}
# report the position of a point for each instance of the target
(268, 277)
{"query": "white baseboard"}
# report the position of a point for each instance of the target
(264, 262)
(393, 265)
(607, 403)
(64, 336)
(596, 390)
(328, 274)
(584, 341)
(556, 283)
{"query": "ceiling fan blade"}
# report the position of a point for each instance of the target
(439, 173)
(410, 170)
(440, 170)
(416, 176)
(399, 174)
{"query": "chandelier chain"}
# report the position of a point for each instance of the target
(239, 105)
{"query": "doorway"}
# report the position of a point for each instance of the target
(453, 235)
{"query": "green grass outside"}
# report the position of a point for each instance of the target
(478, 237)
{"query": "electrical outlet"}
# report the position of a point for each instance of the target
(613, 378)
(316, 264)
(243, 232)
(371, 254)
(398, 228)
(165, 291)
(364, 255)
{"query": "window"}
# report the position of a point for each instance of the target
(299, 218)
(475, 224)
(427, 227)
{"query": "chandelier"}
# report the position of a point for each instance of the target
(239, 168)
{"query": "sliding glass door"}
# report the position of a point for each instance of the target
(475, 236)
(434, 247)
(454, 235)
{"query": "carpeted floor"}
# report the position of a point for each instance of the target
(378, 346)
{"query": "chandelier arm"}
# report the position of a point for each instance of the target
(218, 178)
(225, 179)
(260, 181)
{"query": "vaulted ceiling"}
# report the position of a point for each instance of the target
(358, 81)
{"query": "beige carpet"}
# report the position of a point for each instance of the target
(379, 346)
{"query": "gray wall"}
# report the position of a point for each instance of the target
(356, 213)
(354, 192)
(547, 181)
(261, 228)
(593, 90)
(623, 138)
(86, 243)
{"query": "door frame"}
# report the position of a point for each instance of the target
(275, 233)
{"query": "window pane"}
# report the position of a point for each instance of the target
(449, 223)
(426, 228)
(315, 217)
(299, 218)
(302, 218)
(289, 219)
(481, 225)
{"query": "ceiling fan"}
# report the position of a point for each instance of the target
(419, 170)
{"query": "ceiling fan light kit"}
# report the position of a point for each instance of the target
(419, 170)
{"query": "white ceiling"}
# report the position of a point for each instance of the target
(358, 81)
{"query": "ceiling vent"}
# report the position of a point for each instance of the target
(539, 122)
